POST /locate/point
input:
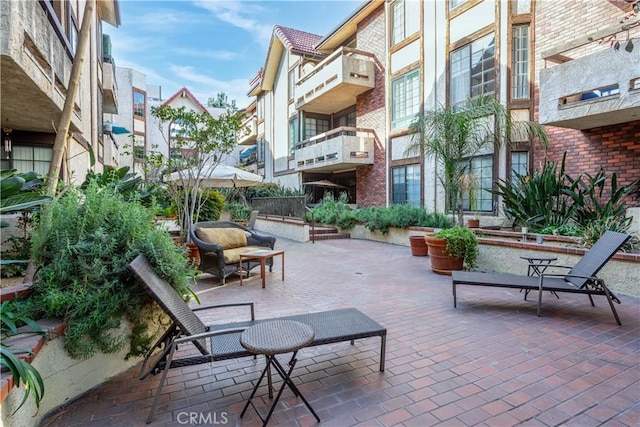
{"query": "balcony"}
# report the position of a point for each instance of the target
(336, 82)
(35, 61)
(599, 89)
(109, 88)
(249, 134)
(339, 149)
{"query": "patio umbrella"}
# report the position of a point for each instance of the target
(323, 183)
(221, 176)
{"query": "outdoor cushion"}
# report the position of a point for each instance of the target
(232, 256)
(228, 238)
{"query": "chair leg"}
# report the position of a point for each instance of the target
(613, 309)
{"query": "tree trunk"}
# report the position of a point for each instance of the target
(69, 102)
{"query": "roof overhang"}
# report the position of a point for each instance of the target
(348, 27)
(109, 11)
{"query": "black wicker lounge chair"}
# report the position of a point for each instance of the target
(222, 341)
(580, 279)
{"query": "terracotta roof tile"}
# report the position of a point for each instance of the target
(298, 40)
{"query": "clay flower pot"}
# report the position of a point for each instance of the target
(441, 262)
(418, 246)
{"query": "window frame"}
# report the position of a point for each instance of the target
(517, 51)
(468, 52)
(407, 118)
(482, 192)
(409, 190)
(293, 132)
(136, 110)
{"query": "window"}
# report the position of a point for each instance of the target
(292, 84)
(519, 164)
(405, 99)
(455, 3)
(72, 30)
(520, 63)
(293, 133)
(405, 19)
(31, 158)
(260, 108)
(482, 167)
(406, 185)
(348, 119)
(473, 71)
(314, 126)
(138, 147)
(261, 150)
(139, 101)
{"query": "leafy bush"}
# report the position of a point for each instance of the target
(375, 218)
(82, 248)
(22, 371)
(462, 243)
(239, 211)
(546, 198)
(553, 202)
(212, 205)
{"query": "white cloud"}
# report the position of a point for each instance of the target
(248, 16)
(223, 55)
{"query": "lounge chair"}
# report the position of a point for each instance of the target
(222, 341)
(580, 279)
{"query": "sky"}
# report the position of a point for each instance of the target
(211, 46)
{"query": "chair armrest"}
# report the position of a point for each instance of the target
(255, 239)
(203, 335)
(240, 304)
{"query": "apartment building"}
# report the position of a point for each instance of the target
(37, 50)
(339, 107)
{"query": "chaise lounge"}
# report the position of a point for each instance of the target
(222, 341)
(580, 279)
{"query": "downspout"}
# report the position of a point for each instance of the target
(435, 101)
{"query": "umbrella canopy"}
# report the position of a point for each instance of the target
(220, 176)
(323, 183)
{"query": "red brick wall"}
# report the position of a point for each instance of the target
(616, 148)
(370, 111)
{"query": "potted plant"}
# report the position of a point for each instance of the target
(454, 135)
(452, 249)
(418, 246)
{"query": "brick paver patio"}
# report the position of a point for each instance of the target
(490, 362)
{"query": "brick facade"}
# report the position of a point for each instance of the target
(371, 183)
(615, 148)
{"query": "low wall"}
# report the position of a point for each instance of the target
(66, 378)
(282, 226)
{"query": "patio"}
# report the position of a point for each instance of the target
(491, 361)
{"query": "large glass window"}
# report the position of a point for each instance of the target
(314, 126)
(293, 133)
(405, 99)
(31, 158)
(519, 164)
(473, 70)
(261, 150)
(405, 19)
(520, 63)
(406, 185)
(482, 168)
(138, 147)
(348, 119)
(139, 102)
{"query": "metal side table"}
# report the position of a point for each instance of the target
(538, 263)
(270, 339)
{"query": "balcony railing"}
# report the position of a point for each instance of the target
(596, 90)
(109, 88)
(336, 81)
(339, 149)
(249, 134)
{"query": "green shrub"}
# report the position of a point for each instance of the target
(213, 203)
(81, 249)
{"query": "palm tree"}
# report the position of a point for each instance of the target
(453, 135)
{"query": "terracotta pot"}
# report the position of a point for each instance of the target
(418, 246)
(194, 252)
(441, 262)
(473, 223)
